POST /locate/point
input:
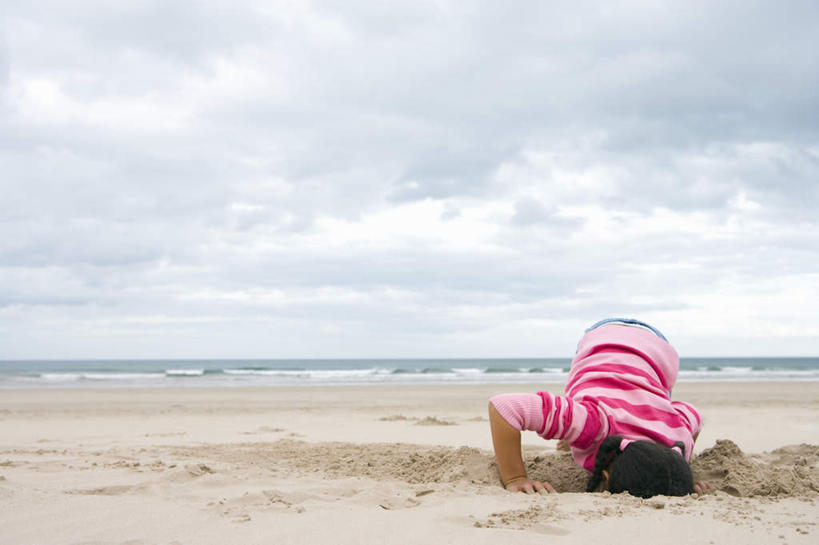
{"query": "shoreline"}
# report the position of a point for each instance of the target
(243, 373)
(551, 386)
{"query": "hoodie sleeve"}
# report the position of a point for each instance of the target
(521, 411)
(579, 423)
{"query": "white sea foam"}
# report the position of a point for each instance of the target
(261, 372)
(184, 372)
(741, 373)
(121, 376)
(384, 375)
(74, 377)
(468, 371)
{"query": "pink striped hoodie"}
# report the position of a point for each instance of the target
(620, 383)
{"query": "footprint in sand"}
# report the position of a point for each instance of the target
(426, 421)
(167, 434)
(391, 504)
(549, 529)
(241, 508)
(114, 490)
(268, 429)
(188, 473)
(264, 429)
(395, 418)
(433, 421)
(535, 518)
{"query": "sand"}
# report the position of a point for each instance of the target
(376, 464)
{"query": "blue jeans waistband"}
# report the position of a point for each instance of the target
(628, 321)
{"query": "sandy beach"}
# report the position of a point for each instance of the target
(376, 464)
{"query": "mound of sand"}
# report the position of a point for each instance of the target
(787, 471)
(408, 463)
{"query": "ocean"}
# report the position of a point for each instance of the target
(333, 372)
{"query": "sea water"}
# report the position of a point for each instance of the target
(331, 372)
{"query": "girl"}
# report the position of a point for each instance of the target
(616, 415)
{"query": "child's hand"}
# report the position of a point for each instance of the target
(703, 487)
(529, 486)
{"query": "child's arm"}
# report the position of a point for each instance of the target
(506, 441)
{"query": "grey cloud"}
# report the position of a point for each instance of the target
(447, 173)
(183, 31)
(531, 212)
(521, 90)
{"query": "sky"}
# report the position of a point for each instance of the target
(406, 179)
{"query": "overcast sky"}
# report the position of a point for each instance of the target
(406, 179)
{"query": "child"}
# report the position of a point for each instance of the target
(616, 415)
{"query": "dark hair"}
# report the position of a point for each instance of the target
(642, 469)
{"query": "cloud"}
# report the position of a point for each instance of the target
(425, 179)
